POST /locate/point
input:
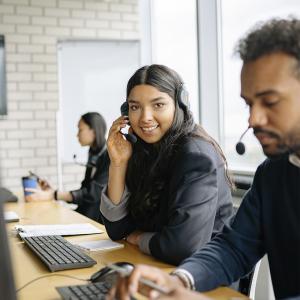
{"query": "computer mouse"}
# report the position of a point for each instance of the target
(108, 275)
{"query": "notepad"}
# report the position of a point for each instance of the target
(61, 229)
(11, 216)
(99, 245)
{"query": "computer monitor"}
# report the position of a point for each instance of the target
(7, 284)
(3, 98)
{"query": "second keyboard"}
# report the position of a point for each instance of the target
(57, 253)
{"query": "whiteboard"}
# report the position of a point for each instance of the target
(92, 77)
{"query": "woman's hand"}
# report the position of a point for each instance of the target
(39, 195)
(119, 149)
(44, 185)
(134, 237)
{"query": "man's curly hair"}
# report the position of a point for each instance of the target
(275, 35)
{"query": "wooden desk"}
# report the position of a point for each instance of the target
(28, 267)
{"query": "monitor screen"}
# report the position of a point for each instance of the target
(3, 102)
(7, 285)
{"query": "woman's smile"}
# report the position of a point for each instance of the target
(149, 129)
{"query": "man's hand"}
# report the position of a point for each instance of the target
(180, 293)
(127, 286)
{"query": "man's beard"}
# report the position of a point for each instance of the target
(286, 145)
(282, 150)
(293, 142)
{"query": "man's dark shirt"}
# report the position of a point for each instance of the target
(268, 221)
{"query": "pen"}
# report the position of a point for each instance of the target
(149, 283)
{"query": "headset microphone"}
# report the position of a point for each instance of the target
(76, 162)
(92, 159)
(81, 164)
(240, 146)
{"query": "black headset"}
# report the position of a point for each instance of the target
(182, 97)
(130, 137)
(124, 109)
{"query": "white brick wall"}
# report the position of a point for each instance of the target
(32, 29)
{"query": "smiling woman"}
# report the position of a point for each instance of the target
(169, 192)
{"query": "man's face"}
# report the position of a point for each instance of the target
(271, 89)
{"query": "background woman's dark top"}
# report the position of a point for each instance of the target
(194, 205)
(88, 196)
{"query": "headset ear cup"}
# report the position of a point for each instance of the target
(183, 97)
(124, 109)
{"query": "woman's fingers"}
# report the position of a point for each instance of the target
(39, 195)
(119, 149)
(32, 197)
(130, 130)
(44, 184)
(118, 124)
(31, 190)
(115, 137)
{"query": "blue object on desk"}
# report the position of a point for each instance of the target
(29, 182)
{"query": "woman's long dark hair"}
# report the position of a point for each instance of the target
(149, 165)
(96, 122)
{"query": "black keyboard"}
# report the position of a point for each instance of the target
(96, 290)
(91, 291)
(57, 253)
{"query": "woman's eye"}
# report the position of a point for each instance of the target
(133, 107)
(159, 105)
(270, 103)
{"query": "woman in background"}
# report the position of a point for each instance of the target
(169, 192)
(91, 132)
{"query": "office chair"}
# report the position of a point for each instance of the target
(247, 284)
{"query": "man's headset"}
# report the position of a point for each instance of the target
(182, 97)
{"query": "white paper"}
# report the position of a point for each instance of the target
(11, 216)
(61, 229)
(99, 245)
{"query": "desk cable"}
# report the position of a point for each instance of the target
(49, 275)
